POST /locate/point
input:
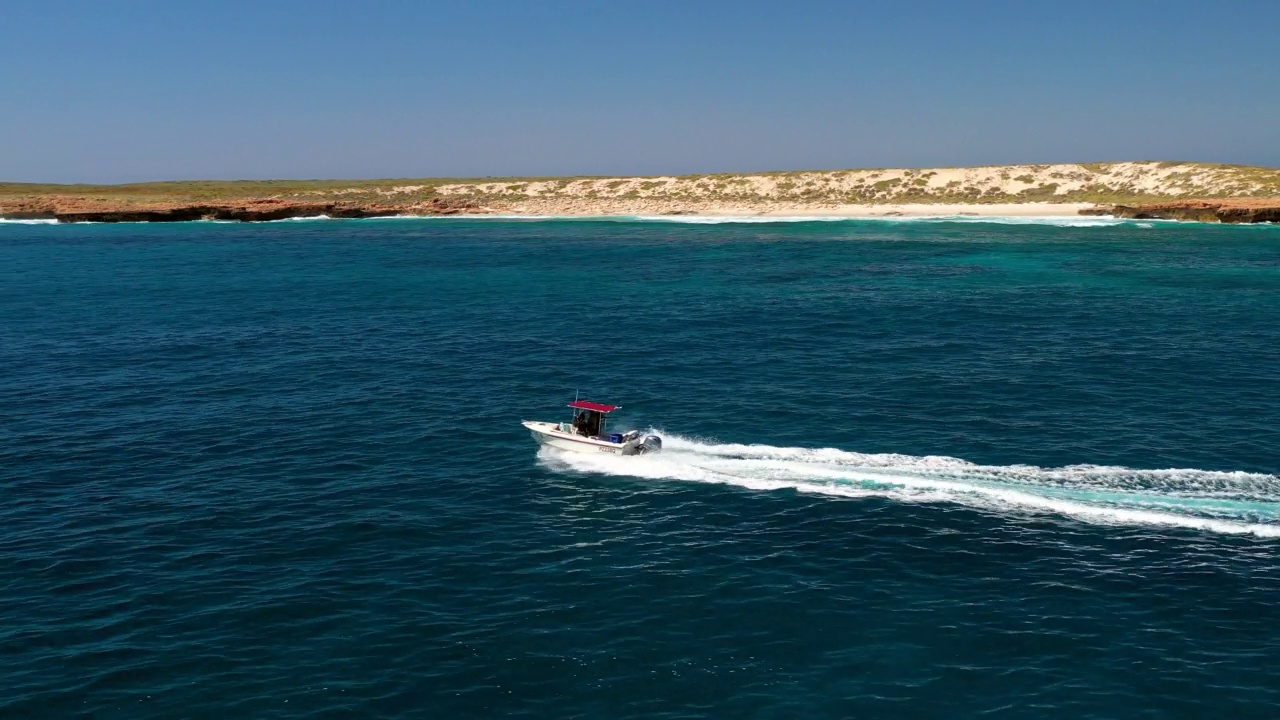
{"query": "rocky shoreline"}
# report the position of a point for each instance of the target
(1232, 210)
(73, 210)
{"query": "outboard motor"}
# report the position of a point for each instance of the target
(651, 444)
(635, 445)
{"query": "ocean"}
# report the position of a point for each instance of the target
(949, 468)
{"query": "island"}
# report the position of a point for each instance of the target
(1200, 192)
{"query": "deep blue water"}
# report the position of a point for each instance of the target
(913, 470)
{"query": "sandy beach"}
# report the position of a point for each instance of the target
(1064, 190)
(579, 207)
(948, 209)
(852, 211)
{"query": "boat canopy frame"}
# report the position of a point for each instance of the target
(594, 406)
(596, 416)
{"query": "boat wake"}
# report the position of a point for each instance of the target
(1220, 502)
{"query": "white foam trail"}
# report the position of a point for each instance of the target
(1220, 502)
(39, 221)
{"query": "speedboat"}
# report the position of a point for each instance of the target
(586, 432)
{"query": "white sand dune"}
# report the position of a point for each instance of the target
(1009, 190)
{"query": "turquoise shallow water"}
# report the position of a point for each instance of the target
(913, 470)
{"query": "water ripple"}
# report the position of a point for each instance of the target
(277, 471)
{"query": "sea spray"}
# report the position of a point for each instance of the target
(1222, 502)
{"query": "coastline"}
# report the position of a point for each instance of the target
(1056, 213)
(776, 210)
(738, 213)
(1195, 192)
(263, 211)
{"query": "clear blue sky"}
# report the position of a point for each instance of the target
(126, 91)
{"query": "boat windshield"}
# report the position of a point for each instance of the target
(588, 422)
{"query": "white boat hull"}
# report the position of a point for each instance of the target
(557, 436)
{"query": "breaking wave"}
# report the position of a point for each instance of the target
(1064, 221)
(1051, 220)
(1220, 502)
(1054, 220)
(1067, 221)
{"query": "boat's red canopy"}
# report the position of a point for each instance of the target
(598, 407)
